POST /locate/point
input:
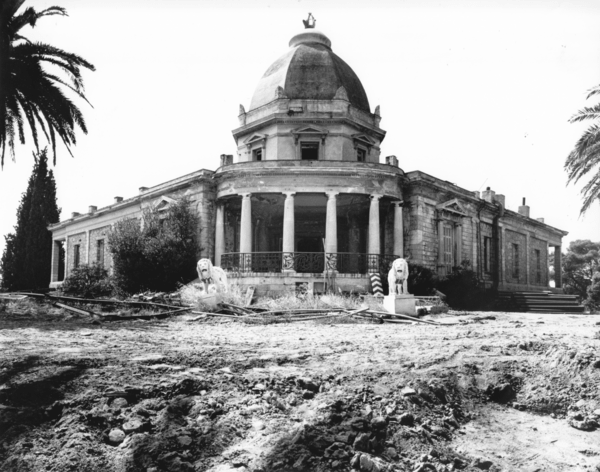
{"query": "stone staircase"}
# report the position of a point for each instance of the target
(538, 302)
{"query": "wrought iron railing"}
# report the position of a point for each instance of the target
(252, 262)
(307, 262)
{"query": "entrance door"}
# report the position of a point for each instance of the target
(310, 244)
(309, 256)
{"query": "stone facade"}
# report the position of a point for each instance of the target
(306, 200)
(87, 234)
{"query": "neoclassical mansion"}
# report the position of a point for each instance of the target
(308, 199)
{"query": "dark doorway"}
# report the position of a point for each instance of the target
(314, 244)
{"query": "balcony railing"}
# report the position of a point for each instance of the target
(306, 262)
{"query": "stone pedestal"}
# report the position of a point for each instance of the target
(400, 304)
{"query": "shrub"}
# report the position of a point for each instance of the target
(421, 280)
(158, 255)
(593, 300)
(88, 281)
(463, 289)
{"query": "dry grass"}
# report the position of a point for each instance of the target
(308, 302)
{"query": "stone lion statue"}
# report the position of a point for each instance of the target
(214, 278)
(398, 277)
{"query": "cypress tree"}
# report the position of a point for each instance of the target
(27, 256)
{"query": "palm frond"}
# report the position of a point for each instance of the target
(590, 194)
(593, 91)
(587, 113)
(584, 159)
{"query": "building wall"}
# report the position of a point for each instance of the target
(486, 232)
(515, 271)
(426, 200)
(74, 240)
(86, 230)
(542, 247)
(422, 232)
(95, 235)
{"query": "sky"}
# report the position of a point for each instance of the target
(478, 93)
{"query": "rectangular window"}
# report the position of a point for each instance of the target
(487, 254)
(257, 154)
(361, 155)
(100, 252)
(76, 255)
(309, 151)
(538, 266)
(448, 248)
(515, 264)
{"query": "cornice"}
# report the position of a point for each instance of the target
(282, 118)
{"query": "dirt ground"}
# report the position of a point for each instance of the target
(493, 391)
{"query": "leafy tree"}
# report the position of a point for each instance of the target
(579, 264)
(157, 255)
(593, 299)
(585, 158)
(26, 261)
(33, 79)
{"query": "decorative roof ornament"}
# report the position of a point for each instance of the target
(309, 22)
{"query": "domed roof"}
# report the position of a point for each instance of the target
(310, 70)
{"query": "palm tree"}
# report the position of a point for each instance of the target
(34, 77)
(585, 158)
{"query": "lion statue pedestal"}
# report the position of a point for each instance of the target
(400, 304)
(399, 301)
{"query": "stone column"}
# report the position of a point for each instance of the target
(67, 261)
(331, 241)
(288, 233)
(87, 250)
(374, 249)
(502, 261)
(398, 230)
(458, 244)
(219, 233)
(527, 260)
(55, 262)
(475, 259)
(246, 232)
(558, 266)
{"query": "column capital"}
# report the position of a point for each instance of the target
(246, 195)
(289, 194)
(331, 195)
(399, 203)
(375, 196)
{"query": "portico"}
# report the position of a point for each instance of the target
(298, 232)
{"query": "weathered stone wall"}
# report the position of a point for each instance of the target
(510, 275)
(79, 239)
(96, 235)
(486, 232)
(309, 177)
(467, 243)
(542, 247)
(196, 187)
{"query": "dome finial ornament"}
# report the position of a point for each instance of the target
(309, 22)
